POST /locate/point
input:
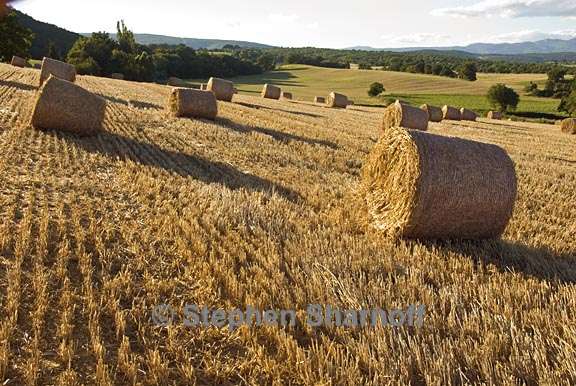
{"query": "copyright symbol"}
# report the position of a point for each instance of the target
(163, 315)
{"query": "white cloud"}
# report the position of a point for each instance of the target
(315, 25)
(531, 36)
(512, 8)
(282, 18)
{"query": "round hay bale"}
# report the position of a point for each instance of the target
(19, 62)
(467, 115)
(569, 126)
(117, 75)
(286, 95)
(319, 99)
(421, 185)
(434, 113)
(58, 69)
(62, 105)
(269, 91)
(451, 113)
(222, 89)
(401, 115)
(189, 102)
(494, 115)
(337, 100)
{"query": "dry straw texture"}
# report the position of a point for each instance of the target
(467, 115)
(434, 113)
(19, 62)
(319, 99)
(117, 75)
(569, 126)
(269, 91)
(421, 185)
(451, 113)
(287, 95)
(402, 115)
(59, 69)
(337, 100)
(62, 105)
(222, 89)
(188, 102)
(494, 115)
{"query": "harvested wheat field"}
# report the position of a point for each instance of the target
(261, 208)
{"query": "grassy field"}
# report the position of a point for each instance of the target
(305, 82)
(261, 208)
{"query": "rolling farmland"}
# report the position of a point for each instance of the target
(261, 208)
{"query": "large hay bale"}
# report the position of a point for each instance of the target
(467, 115)
(269, 91)
(319, 99)
(222, 89)
(421, 185)
(569, 126)
(401, 115)
(337, 100)
(19, 62)
(286, 95)
(494, 115)
(189, 102)
(62, 105)
(117, 76)
(434, 113)
(451, 113)
(58, 69)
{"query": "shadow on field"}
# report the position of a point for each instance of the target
(538, 262)
(120, 147)
(257, 107)
(277, 135)
(130, 102)
(21, 86)
(278, 78)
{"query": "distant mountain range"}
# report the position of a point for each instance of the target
(546, 46)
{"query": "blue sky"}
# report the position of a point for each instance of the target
(322, 23)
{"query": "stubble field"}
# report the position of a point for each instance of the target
(260, 208)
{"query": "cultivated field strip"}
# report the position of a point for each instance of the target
(260, 208)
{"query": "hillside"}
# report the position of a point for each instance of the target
(44, 34)
(260, 208)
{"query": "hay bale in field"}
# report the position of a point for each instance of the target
(203, 86)
(270, 91)
(222, 89)
(427, 186)
(401, 115)
(451, 113)
(286, 95)
(319, 99)
(189, 102)
(117, 75)
(569, 126)
(494, 115)
(58, 69)
(62, 105)
(337, 100)
(467, 115)
(19, 62)
(434, 113)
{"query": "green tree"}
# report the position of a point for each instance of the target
(14, 39)
(125, 38)
(376, 89)
(468, 71)
(503, 98)
(568, 103)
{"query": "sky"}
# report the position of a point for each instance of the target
(322, 23)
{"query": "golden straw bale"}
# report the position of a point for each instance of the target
(222, 89)
(270, 91)
(422, 185)
(494, 115)
(569, 126)
(19, 62)
(286, 95)
(402, 115)
(337, 100)
(117, 75)
(451, 113)
(59, 69)
(189, 102)
(319, 99)
(434, 113)
(62, 105)
(467, 115)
